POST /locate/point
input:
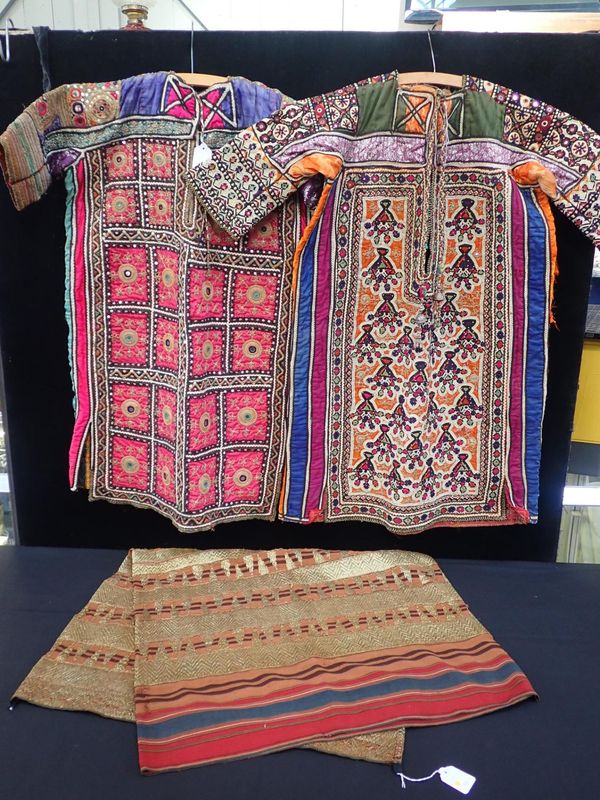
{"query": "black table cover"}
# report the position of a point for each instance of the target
(543, 614)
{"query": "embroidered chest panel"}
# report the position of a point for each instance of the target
(418, 378)
(189, 330)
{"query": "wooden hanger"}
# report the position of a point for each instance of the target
(434, 78)
(200, 80)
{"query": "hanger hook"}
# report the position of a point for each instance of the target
(192, 47)
(431, 51)
(5, 50)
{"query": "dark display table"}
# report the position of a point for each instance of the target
(543, 614)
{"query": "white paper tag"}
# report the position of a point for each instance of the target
(202, 154)
(457, 779)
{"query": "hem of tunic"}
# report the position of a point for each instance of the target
(206, 527)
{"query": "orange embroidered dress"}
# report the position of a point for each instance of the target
(422, 292)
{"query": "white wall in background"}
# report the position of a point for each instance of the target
(374, 15)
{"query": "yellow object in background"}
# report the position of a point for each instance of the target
(586, 425)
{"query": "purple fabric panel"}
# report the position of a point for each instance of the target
(141, 95)
(311, 190)
(396, 148)
(60, 160)
(319, 390)
(254, 102)
(515, 414)
(497, 153)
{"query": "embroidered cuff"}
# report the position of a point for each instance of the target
(240, 186)
(23, 163)
(581, 204)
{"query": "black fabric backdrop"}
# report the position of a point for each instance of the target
(560, 69)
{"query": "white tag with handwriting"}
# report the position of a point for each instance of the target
(202, 154)
(457, 779)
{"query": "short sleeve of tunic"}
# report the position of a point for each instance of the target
(44, 139)
(269, 161)
(564, 153)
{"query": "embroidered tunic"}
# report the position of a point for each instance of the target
(178, 334)
(422, 292)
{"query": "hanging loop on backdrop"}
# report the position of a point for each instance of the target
(433, 66)
(192, 47)
(5, 48)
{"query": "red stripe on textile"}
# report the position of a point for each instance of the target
(318, 379)
(79, 328)
(235, 741)
(515, 455)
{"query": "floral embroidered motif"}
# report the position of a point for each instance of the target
(383, 447)
(252, 350)
(468, 342)
(396, 482)
(203, 422)
(464, 270)
(129, 338)
(131, 407)
(366, 347)
(384, 228)
(365, 415)
(166, 344)
(428, 484)
(201, 484)
(385, 380)
(462, 477)
(129, 463)
(464, 224)
(93, 103)
(159, 208)
(386, 317)
(165, 414)
(466, 410)
(158, 160)
(206, 291)
(246, 416)
(128, 274)
(121, 207)
(449, 315)
(255, 296)
(364, 475)
(381, 273)
(207, 351)
(241, 482)
(167, 271)
(265, 236)
(164, 478)
(120, 161)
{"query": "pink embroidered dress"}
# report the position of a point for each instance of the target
(178, 333)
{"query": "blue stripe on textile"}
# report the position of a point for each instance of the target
(202, 720)
(298, 457)
(537, 252)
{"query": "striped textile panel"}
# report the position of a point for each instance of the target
(91, 666)
(245, 653)
(533, 242)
